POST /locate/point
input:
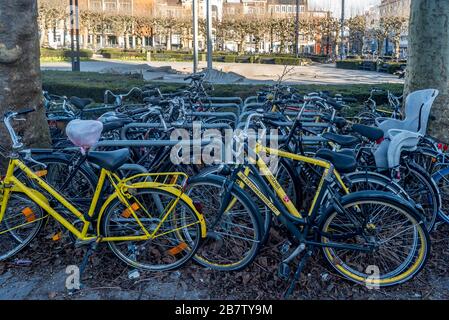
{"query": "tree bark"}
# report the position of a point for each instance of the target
(428, 59)
(20, 75)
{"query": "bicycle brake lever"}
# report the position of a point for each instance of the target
(28, 157)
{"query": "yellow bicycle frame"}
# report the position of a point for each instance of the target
(269, 176)
(121, 187)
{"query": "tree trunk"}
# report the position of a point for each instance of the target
(397, 48)
(20, 75)
(380, 47)
(428, 59)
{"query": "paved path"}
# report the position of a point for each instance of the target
(235, 72)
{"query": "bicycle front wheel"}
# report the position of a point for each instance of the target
(395, 241)
(19, 225)
(233, 239)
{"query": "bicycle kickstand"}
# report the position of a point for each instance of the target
(301, 265)
(92, 247)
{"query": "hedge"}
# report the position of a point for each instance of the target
(349, 64)
(123, 54)
(392, 67)
(63, 54)
(93, 85)
(88, 84)
(389, 67)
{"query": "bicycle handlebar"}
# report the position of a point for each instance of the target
(7, 117)
(119, 96)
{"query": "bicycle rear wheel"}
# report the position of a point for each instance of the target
(397, 241)
(177, 233)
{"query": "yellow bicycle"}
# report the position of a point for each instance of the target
(146, 219)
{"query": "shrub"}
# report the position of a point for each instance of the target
(92, 85)
(112, 53)
(230, 58)
(88, 84)
(267, 60)
(63, 54)
(244, 59)
(349, 64)
(287, 61)
(317, 58)
(390, 67)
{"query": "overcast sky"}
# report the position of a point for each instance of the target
(353, 7)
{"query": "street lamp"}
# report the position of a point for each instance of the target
(297, 30)
(195, 35)
(209, 33)
(74, 35)
(342, 28)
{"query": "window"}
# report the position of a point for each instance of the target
(289, 8)
(95, 5)
(110, 5)
(277, 9)
(283, 9)
(126, 5)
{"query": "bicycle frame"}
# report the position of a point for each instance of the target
(121, 187)
(281, 205)
(281, 194)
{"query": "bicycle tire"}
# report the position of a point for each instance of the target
(176, 242)
(416, 257)
(243, 253)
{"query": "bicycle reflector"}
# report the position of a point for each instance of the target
(179, 248)
(41, 173)
(127, 213)
(442, 146)
(379, 141)
(29, 214)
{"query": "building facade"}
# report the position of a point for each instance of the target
(112, 36)
(399, 8)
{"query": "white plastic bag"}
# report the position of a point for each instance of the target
(84, 133)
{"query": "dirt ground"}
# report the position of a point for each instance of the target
(38, 272)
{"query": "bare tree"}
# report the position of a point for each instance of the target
(357, 30)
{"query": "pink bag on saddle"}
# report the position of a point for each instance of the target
(84, 133)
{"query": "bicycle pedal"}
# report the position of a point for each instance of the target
(285, 247)
(284, 271)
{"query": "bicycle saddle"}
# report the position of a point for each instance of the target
(334, 104)
(339, 122)
(115, 124)
(342, 161)
(109, 160)
(371, 133)
(342, 140)
(152, 100)
(80, 103)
